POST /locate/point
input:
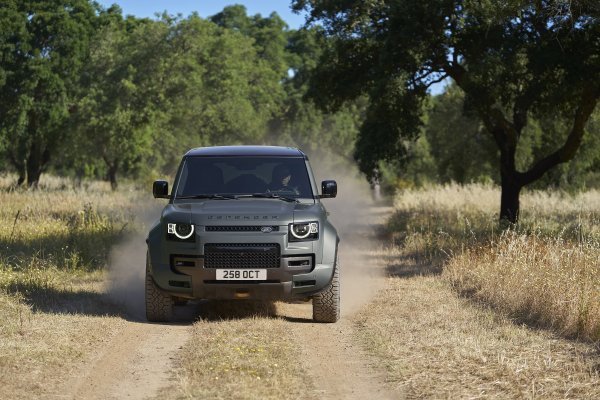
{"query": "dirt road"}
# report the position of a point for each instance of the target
(140, 359)
(136, 364)
(337, 365)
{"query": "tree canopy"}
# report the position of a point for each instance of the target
(87, 92)
(511, 59)
(43, 45)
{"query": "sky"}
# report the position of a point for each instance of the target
(205, 8)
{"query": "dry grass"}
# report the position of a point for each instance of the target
(54, 243)
(39, 350)
(544, 272)
(548, 282)
(445, 251)
(250, 355)
(434, 344)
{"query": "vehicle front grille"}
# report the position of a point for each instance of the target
(239, 228)
(241, 255)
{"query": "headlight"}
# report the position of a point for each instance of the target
(304, 231)
(180, 231)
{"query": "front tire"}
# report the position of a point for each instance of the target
(159, 305)
(326, 305)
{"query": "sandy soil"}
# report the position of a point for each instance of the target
(136, 364)
(338, 367)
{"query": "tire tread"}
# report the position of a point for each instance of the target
(326, 305)
(159, 305)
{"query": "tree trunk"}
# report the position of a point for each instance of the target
(35, 164)
(509, 201)
(33, 178)
(19, 165)
(510, 177)
(112, 177)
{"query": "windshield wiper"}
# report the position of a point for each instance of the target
(271, 196)
(210, 196)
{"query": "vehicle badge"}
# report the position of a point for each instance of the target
(266, 229)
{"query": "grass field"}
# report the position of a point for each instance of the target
(462, 310)
(57, 315)
(54, 245)
(459, 316)
(545, 271)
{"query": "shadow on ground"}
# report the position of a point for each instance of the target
(219, 310)
(408, 265)
(68, 301)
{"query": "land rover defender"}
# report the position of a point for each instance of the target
(243, 222)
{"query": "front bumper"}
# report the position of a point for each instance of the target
(184, 274)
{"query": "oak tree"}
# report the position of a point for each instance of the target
(513, 60)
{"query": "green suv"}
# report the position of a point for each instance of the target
(243, 222)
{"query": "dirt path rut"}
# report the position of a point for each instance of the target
(337, 365)
(136, 363)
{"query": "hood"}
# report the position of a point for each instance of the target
(240, 212)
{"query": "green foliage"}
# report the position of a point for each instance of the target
(117, 96)
(462, 150)
(465, 153)
(513, 60)
(43, 46)
(120, 94)
(219, 89)
(302, 123)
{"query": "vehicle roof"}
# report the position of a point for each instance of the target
(276, 151)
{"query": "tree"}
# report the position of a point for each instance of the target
(512, 60)
(463, 151)
(122, 89)
(219, 90)
(43, 45)
(302, 122)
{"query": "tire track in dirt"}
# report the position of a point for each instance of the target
(136, 364)
(337, 365)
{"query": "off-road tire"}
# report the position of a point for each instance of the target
(326, 305)
(159, 305)
(180, 301)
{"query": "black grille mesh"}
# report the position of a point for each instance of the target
(241, 255)
(239, 228)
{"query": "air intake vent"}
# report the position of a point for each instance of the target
(241, 228)
(241, 255)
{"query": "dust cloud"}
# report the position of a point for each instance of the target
(127, 266)
(355, 216)
(353, 212)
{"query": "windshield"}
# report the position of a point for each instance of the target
(223, 176)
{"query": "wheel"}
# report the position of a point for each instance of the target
(326, 305)
(159, 305)
(180, 301)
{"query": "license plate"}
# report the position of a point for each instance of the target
(241, 274)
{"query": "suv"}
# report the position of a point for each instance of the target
(243, 222)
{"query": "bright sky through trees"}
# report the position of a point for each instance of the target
(207, 8)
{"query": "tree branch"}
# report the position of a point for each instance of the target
(438, 80)
(588, 102)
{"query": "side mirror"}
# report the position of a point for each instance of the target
(160, 189)
(328, 189)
